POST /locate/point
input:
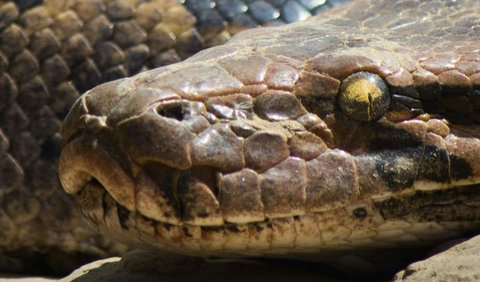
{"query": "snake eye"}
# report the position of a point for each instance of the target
(364, 96)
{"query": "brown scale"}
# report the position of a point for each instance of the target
(51, 53)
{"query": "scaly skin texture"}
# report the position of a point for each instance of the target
(51, 52)
(244, 150)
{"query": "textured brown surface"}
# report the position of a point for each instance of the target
(208, 140)
(50, 52)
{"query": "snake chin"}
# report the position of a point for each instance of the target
(414, 220)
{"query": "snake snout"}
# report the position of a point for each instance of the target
(90, 153)
(88, 159)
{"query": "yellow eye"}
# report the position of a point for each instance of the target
(364, 96)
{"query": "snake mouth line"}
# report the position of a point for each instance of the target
(416, 219)
(172, 196)
(455, 203)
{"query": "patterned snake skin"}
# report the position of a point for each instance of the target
(51, 52)
(354, 130)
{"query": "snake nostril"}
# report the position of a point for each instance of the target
(178, 111)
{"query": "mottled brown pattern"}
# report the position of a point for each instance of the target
(400, 180)
(49, 55)
(52, 51)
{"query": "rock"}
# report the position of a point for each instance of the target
(458, 263)
(142, 265)
(18, 278)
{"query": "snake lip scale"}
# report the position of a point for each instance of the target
(246, 149)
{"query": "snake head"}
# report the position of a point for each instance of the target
(283, 141)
